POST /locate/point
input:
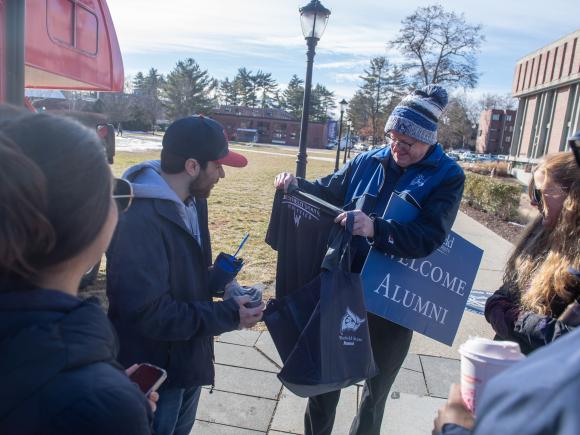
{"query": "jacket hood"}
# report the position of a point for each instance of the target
(43, 333)
(148, 183)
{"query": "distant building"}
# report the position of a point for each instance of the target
(268, 126)
(495, 133)
(547, 83)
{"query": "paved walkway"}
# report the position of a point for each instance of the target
(249, 399)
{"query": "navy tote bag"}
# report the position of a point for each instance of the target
(321, 331)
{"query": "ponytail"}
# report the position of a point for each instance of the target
(25, 232)
(55, 194)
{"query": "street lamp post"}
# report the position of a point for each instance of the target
(342, 104)
(347, 147)
(313, 18)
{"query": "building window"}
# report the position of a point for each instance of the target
(508, 118)
(495, 117)
(508, 138)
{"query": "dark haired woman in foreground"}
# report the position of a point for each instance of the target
(57, 353)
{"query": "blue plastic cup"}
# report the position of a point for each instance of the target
(225, 269)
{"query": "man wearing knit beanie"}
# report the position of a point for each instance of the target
(415, 167)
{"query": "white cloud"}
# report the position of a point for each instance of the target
(267, 32)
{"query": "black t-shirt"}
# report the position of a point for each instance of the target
(299, 228)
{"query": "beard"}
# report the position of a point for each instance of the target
(201, 187)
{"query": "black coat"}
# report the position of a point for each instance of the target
(58, 373)
(160, 303)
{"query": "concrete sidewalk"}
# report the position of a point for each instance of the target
(249, 399)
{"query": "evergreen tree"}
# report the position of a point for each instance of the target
(359, 111)
(378, 88)
(293, 97)
(229, 93)
(267, 87)
(322, 102)
(138, 83)
(152, 85)
(245, 87)
(187, 90)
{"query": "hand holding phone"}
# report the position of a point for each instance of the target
(147, 377)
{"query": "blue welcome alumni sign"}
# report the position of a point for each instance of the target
(427, 295)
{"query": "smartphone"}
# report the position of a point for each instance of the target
(148, 377)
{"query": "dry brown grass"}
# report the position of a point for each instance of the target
(241, 203)
(500, 169)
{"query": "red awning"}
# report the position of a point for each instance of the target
(72, 44)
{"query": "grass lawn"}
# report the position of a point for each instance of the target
(240, 203)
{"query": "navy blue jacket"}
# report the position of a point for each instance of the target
(528, 329)
(434, 185)
(159, 300)
(58, 373)
(538, 396)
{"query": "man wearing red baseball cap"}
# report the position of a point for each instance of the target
(157, 269)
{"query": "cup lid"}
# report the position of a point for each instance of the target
(502, 350)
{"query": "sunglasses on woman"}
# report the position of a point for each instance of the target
(122, 194)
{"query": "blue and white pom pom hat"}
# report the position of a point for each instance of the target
(417, 114)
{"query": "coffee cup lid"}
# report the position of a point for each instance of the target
(484, 347)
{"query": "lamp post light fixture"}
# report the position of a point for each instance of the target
(313, 18)
(343, 105)
(347, 146)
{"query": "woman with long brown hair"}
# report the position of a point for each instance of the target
(537, 284)
(57, 352)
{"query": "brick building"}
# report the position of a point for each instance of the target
(495, 133)
(547, 84)
(268, 126)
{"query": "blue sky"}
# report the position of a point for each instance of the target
(223, 35)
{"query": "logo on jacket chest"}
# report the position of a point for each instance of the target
(418, 181)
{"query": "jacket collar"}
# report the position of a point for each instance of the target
(433, 157)
(168, 209)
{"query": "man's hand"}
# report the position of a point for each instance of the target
(249, 316)
(153, 397)
(362, 226)
(454, 411)
(285, 179)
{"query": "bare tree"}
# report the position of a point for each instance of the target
(440, 47)
(497, 101)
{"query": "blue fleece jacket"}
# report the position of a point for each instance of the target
(434, 185)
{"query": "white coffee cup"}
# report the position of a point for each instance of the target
(481, 360)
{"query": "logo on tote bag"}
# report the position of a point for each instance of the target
(350, 322)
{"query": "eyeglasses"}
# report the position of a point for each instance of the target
(537, 197)
(399, 142)
(538, 194)
(122, 194)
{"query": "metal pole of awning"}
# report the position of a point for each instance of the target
(14, 51)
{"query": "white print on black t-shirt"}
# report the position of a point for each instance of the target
(301, 209)
(350, 322)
